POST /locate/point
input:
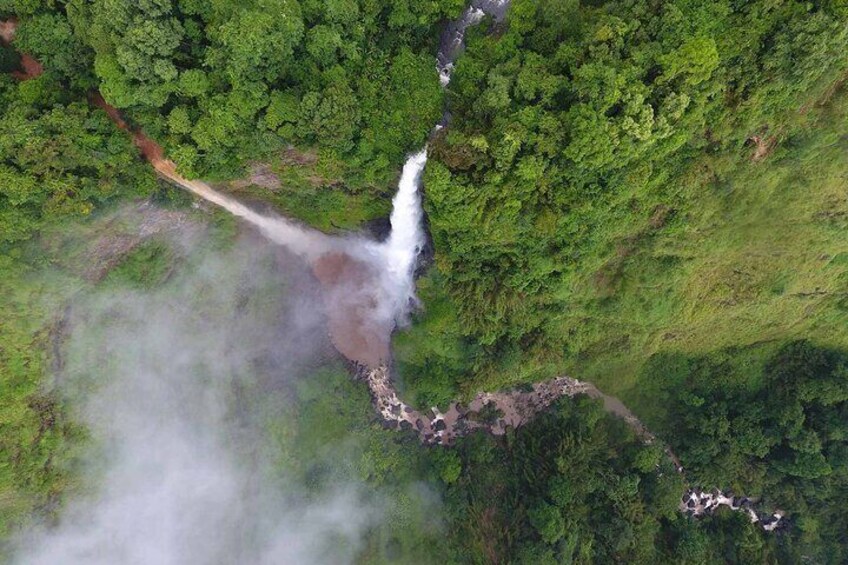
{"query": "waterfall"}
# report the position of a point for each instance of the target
(393, 296)
(400, 251)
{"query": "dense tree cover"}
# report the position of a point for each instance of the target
(220, 82)
(595, 194)
(573, 486)
(776, 423)
(58, 158)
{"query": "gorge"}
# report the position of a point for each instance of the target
(368, 289)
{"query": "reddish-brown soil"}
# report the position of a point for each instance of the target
(151, 150)
(348, 288)
(30, 67)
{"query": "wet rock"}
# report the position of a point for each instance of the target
(379, 228)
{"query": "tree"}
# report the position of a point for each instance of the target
(259, 42)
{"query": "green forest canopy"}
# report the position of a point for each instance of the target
(622, 178)
(650, 194)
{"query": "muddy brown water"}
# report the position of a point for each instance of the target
(355, 328)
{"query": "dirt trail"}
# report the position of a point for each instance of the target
(151, 150)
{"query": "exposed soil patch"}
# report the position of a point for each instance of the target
(259, 175)
(764, 144)
(292, 156)
(348, 288)
(29, 67)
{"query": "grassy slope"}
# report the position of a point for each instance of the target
(757, 252)
(729, 253)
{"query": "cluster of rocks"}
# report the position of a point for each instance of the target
(699, 502)
(499, 411)
(494, 412)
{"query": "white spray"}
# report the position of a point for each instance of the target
(401, 249)
(308, 243)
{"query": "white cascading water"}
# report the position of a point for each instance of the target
(453, 39)
(400, 251)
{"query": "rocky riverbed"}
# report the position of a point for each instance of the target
(496, 412)
(697, 502)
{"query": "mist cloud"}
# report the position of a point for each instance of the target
(178, 471)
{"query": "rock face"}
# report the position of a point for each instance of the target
(259, 175)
